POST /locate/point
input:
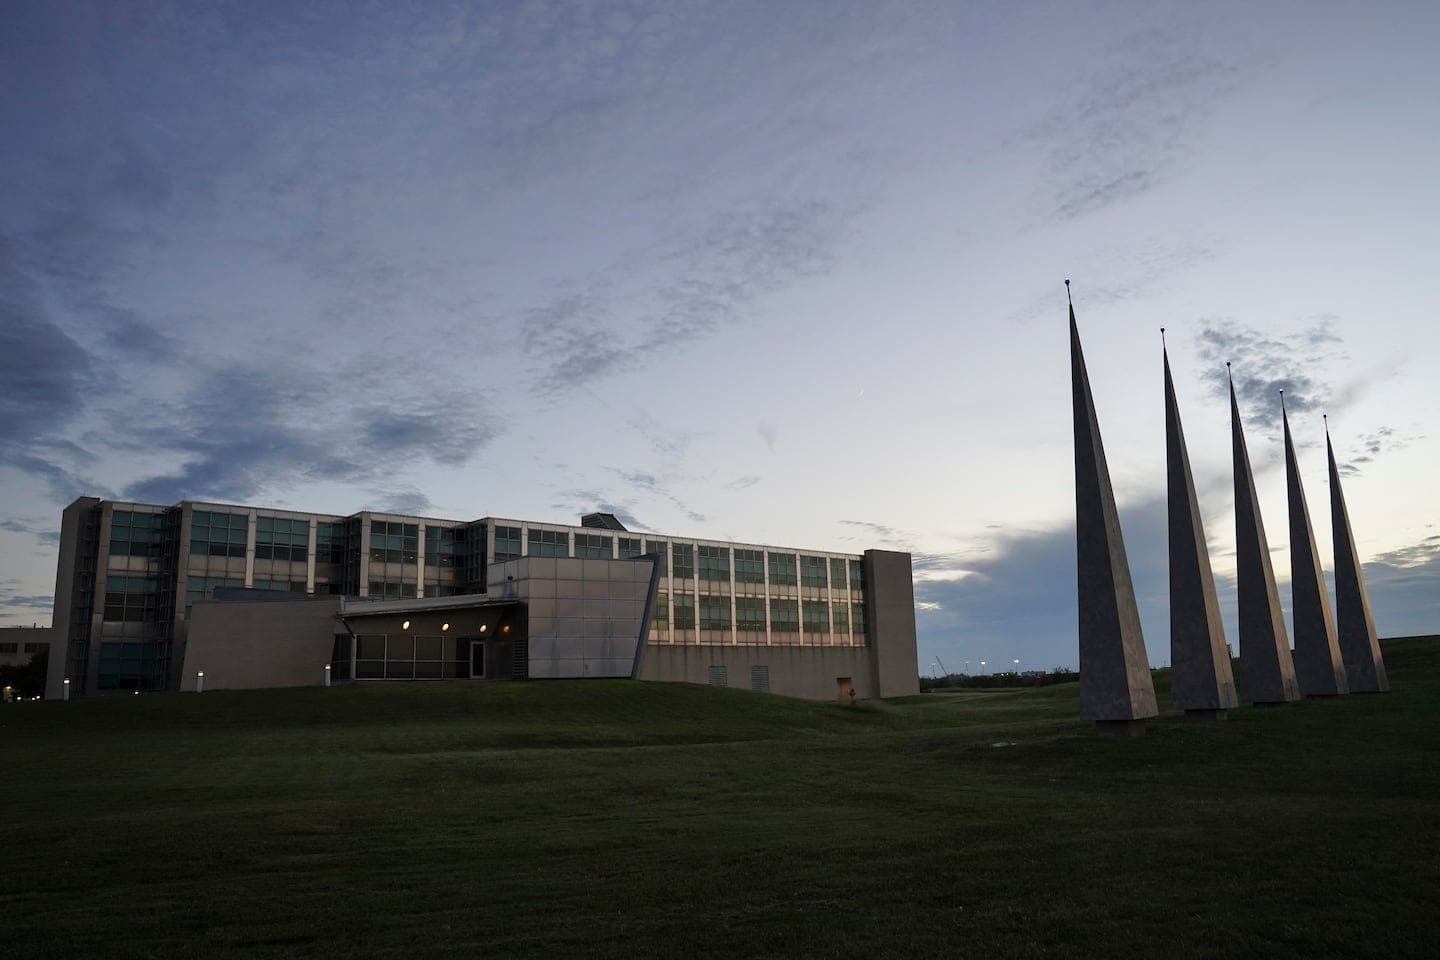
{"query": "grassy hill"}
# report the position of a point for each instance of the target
(620, 819)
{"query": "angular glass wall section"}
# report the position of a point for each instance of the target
(470, 553)
(138, 604)
(444, 558)
(330, 551)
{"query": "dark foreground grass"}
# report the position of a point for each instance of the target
(615, 819)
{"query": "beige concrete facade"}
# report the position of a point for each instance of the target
(253, 644)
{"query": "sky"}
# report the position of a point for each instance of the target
(778, 273)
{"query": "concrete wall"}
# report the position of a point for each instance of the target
(246, 645)
(586, 616)
(70, 521)
(814, 673)
(890, 622)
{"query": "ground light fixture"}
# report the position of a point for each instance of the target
(327, 674)
(65, 690)
(200, 681)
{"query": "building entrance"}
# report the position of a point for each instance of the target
(477, 659)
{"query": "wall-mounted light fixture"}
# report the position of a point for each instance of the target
(405, 625)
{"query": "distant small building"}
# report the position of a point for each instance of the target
(19, 644)
(148, 596)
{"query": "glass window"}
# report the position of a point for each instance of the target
(683, 560)
(812, 571)
(660, 616)
(595, 546)
(507, 543)
(394, 542)
(658, 548)
(782, 569)
(629, 547)
(135, 534)
(329, 542)
(785, 616)
(857, 618)
(216, 534)
(857, 574)
(549, 543)
(749, 566)
(817, 617)
(750, 614)
(714, 613)
(837, 573)
(281, 538)
(684, 612)
(841, 613)
(715, 564)
(441, 546)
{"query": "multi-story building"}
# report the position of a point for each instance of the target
(131, 577)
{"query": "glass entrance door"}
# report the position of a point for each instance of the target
(477, 659)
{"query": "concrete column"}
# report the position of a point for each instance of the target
(1201, 680)
(1115, 685)
(1266, 667)
(1359, 647)
(1318, 666)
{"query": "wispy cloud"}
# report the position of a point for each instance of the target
(1263, 365)
(742, 483)
(241, 430)
(767, 433)
(1134, 123)
(880, 534)
(653, 301)
(9, 597)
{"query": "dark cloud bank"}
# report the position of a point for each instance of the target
(1019, 601)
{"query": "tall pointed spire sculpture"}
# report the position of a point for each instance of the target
(1359, 648)
(1317, 653)
(1266, 668)
(1201, 682)
(1115, 687)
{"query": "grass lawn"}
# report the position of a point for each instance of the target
(622, 819)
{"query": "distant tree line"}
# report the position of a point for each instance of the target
(1029, 678)
(26, 679)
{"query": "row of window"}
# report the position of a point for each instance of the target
(214, 534)
(714, 614)
(132, 599)
(132, 666)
